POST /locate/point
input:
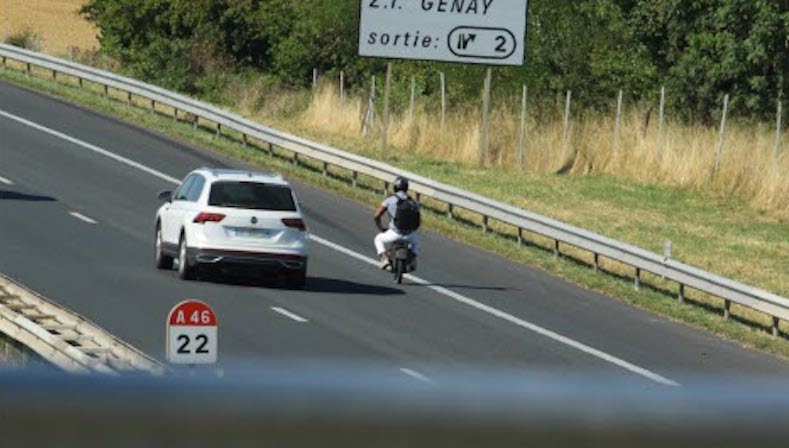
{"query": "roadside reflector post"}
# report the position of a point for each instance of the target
(727, 309)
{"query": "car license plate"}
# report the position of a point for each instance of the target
(251, 233)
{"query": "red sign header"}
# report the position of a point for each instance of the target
(192, 313)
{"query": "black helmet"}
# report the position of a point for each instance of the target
(400, 184)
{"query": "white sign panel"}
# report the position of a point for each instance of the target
(468, 31)
(192, 334)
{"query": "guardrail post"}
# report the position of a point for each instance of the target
(596, 263)
(196, 122)
(776, 330)
(419, 197)
(218, 130)
(726, 309)
(386, 187)
(270, 149)
(520, 236)
(54, 75)
(638, 279)
(4, 62)
(128, 98)
(681, 295)
(28, 69)
(354, 180)
(106, 91)
(79, 80)
(451, 211)
(484, 224)
(325, 169)
(556, 251)
(175, 115)
(244, 140)
(295, 159)
(153, 106)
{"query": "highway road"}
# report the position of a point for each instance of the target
(77, 200)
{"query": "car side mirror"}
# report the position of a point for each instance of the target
(166, 196)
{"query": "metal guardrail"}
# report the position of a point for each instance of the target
(64, 338)
(641, 260)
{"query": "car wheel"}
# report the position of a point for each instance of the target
(162, 261)
(185, 271)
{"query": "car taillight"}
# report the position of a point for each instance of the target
(297, 223)
(205, 217)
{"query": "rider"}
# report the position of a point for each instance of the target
(390, 205)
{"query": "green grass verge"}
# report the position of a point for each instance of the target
(702, 228)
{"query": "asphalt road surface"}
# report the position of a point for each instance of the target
(78, 193)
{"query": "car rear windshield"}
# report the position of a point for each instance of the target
(252, 195)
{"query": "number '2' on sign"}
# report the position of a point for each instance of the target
(192, 334)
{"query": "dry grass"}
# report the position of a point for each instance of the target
(56, 22)
(687, 159)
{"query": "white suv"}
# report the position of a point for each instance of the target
(234, 221)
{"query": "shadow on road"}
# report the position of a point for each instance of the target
(320, 285)
(472, 287)
(6, 195)
(338, 286)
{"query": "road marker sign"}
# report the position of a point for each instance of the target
(192, 334)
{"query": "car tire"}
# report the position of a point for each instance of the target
(297, 279)
(163, 261)
(185, 271)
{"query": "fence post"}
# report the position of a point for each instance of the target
(483, 140)
(314, 78)
(369, 116)
(522, 136)
(721, 135)
(661, 122)
(443, 102)
(385, 124)
(777, 149)
(617, 123)
(412, 101)
(342, 85)
(566, 135)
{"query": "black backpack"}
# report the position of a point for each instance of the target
(407, 216)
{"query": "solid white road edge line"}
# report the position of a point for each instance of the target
(417, 375)
(82, 217)
(441, 290)
(3, 180)
(510, 318)
(287, 313)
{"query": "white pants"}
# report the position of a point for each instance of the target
(383, 241)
